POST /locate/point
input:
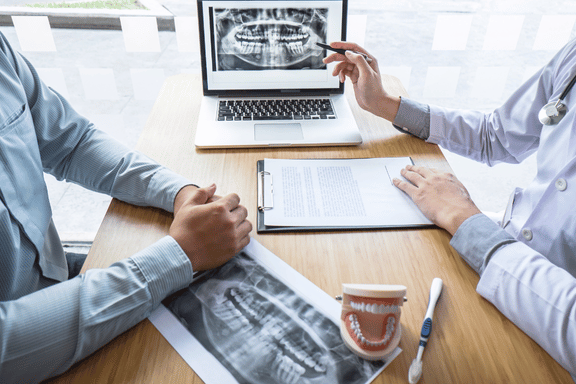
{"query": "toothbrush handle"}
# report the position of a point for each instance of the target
(425, 332)
(435, 291)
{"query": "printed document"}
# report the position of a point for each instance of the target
(337, 193)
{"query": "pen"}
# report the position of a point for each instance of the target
(343, 51)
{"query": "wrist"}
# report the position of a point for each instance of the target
(183, 195)
(389, 106)
(458, 217)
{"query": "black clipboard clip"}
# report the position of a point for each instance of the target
(261, 176)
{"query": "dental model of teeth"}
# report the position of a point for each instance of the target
(356, 328)
(374, 308)
(370, 319)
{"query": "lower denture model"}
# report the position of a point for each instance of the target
(370, 319)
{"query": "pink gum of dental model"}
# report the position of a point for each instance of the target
(370, 319)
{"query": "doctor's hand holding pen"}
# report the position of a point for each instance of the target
(440, 196)
(365, 77)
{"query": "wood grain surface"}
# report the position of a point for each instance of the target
(471, 341)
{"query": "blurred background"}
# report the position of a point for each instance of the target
(111, 63)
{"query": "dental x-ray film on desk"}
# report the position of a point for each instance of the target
(264, 81)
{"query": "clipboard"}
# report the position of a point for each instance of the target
(264, 178)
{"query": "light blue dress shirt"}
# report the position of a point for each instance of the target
(527, 268)
(46, 321)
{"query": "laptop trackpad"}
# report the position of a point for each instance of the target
(278, 132)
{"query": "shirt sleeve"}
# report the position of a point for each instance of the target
(536, 295)
(413, 118)
(45, 332)
(71, 147)
(511, 132)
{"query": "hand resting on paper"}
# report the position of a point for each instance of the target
(210, 229)
(440, 196)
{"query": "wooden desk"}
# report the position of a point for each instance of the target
(471, 341)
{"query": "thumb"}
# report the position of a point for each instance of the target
(202, 195)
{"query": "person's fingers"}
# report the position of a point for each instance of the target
(334, 57)
(202, 195)
(412, 176)
(348, 46)
(405, 187)
(230, 201)
(240, 214)
(360, 63)
(425, 172)
(342, 66)
(243, 243)
(346, 69)
(245, 228)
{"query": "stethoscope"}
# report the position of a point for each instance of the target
(554, 111)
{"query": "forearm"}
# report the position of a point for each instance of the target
(72, 148)
(537, 296)
(44, 333)
(104, 165)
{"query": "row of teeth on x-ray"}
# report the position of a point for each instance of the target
(273, 34)
(293, 358)
(377, 309)
(274, 328)
(247, 48)
(356, 329)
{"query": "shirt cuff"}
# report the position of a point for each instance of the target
(413, 118)
(165, 267)
(163, 189)
(477, 239)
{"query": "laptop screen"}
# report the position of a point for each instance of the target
(263, 47)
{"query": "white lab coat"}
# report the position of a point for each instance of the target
(532, 281)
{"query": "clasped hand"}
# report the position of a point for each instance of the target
(210, 229)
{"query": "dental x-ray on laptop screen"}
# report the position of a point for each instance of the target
(264, 81)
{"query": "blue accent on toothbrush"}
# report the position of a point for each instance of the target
(426, 327)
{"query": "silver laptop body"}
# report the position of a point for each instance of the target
(264, 82)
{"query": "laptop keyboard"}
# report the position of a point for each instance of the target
(281, 109)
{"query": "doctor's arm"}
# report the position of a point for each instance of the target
(536, 295)
(507, 134)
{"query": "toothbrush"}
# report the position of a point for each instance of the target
(415, 371)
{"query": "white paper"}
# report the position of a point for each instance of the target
(338, 193)
(200, 328)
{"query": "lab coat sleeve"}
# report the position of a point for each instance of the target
(510, 133)
(72, 148)
(42, 334)
(536, 295)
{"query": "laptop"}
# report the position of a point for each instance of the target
(264, 82)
